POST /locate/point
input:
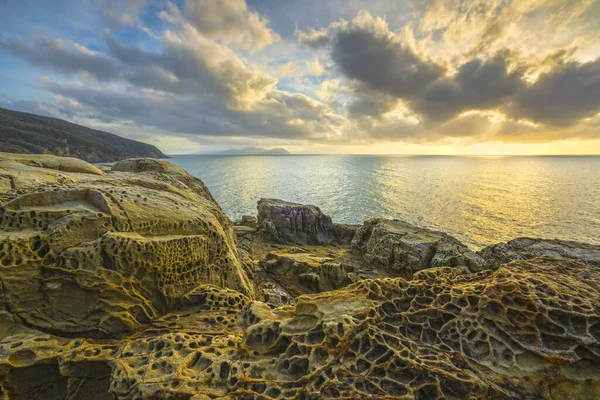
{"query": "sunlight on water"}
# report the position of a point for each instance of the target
(480, 200)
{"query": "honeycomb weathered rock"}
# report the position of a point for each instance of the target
(128, 285)
(530, 329)
(100, 255)
(302, 273)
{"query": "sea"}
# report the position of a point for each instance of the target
(479, 200)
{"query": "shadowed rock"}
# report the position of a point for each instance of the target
(525, 248)
(285, 222)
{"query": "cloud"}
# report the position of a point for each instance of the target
(478, 85)
(289, 68)
(122, 13)
(278, 115)
(563, 96)
(313, 38)
(315, 67)
(328, 89)
(231, 22)
(63, 56)
(458, 70)
(386, 70)
(368, 52)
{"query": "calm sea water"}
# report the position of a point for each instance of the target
(480, 200)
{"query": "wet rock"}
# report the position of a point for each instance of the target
(402, 248)
(525, 248)
(285, 222)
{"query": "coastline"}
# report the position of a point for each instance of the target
(129, 281)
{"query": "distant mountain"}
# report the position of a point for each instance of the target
(255, 151)
(30, 133)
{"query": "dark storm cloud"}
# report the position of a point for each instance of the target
(478, 84)
(383, 69)
(380, 61)
(563, 96)
(371, 103)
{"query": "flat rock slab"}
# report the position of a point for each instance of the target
(525, 248)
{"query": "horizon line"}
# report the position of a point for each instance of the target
(387, 154)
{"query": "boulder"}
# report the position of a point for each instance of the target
(401, 248)
(293, 223)
(100, 255)
(525, 248)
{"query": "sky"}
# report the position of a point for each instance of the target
(313, 76)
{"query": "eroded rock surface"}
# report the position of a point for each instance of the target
(99, 255)
(285, 222)
(301, 273)
(525, 248)
(127, 284)
(527, 330)
(399, 247)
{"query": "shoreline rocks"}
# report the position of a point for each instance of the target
(402, 248)
(293, 223)
(525, 248)
(100, 255)
(129, 282)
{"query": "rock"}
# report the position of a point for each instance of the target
(529, 329)
(293, 223)
(245, 237)
(148, 165)
(100, 255)
(525, 248)
(303, 273)
(128, 285)
(249, 221)
(46, 161)
(402, 248)
(345, 232)
(24, 172)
